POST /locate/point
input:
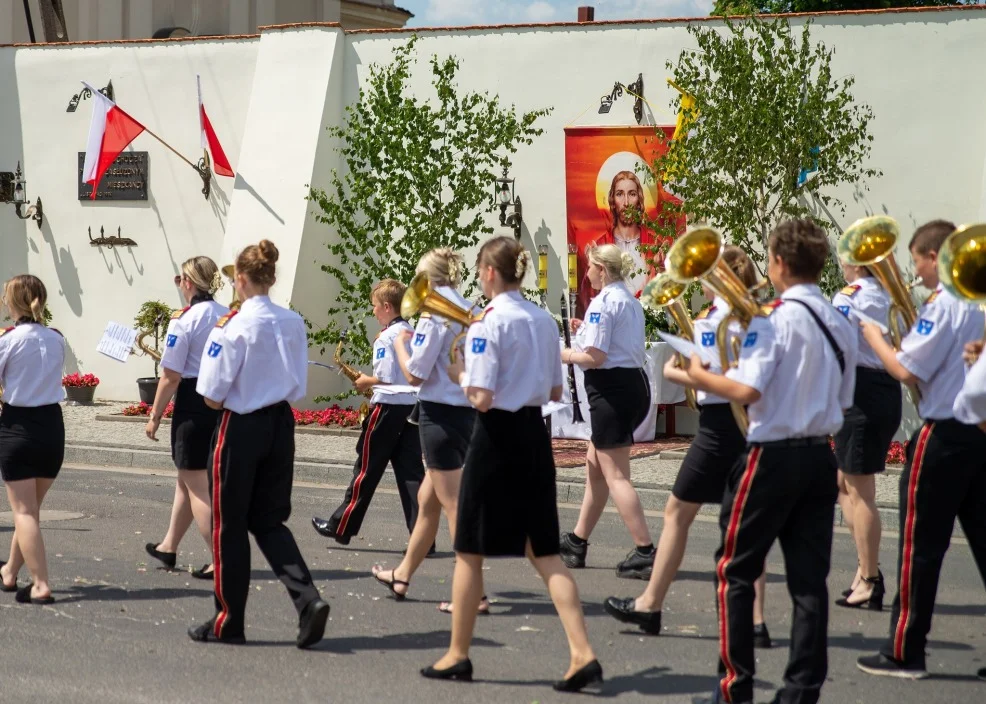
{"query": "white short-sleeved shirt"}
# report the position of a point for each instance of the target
(430, 348)
(513, 352)
(386, 368)
(188, 331)
(865, 295)
(255, 357)
(614, 324)
(932, 351)
(787, 358)
(32, 357)
(970, 404)
(706, 326)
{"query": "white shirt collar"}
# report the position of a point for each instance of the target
(802, 290)
(255, 302)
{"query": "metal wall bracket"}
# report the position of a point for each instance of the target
(111, 241)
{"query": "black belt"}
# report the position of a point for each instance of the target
(794, 442)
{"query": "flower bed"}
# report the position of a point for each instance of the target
(144, 409)
(333, 416)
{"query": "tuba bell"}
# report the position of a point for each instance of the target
(962, 264)
(870, 242)
(664, 292)
(421, 296)
(697, 256)
(228, 271)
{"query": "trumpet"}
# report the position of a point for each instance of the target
(962, 264)
(664, 292)
(697, 256)
(352, 374)
(421, 296)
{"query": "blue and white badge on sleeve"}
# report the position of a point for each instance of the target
(478, 345)
(843, 309)
(593, 317)
(708, 339)
(214, 349)
(419, 339)
(381, 352)
(925, 326)
(172, 339)
(751, 339)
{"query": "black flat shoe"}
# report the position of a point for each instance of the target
(461, 671)
(23, 596)
(587, 675)
(168, 559)
(206, 633)
(392, 583)
(311, 623)
(323, 528)
(622, 610)
(875, 600)
(4, 587)
(202, 574)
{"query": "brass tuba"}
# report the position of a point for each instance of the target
(664, 292)
(870, 242)
(697, 256)
(962, 264)
(228, 272)
(350, 373)
(422, 296)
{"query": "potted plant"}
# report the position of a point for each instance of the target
(80, 388)
(151, 319)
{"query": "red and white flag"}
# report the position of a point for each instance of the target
(110, 131)
(220, 163)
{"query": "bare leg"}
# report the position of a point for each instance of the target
(422, 536)
(565, 596)
(25, 498)
(596, 495)
(196, 483)
(759, 592)
(845, 504)
(615, 467)
(467, 590)
(678, 518)
(866, 519)
(181, 517)
(16, 561)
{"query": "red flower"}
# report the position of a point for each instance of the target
(143, 409)
(334, 416)
(80, 380)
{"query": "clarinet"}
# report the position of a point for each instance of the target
(566, 326)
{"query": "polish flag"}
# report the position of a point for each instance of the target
(219, 161)
(110, 131)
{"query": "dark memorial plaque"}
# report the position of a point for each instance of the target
(126, 179)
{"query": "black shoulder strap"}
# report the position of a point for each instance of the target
(828, 336)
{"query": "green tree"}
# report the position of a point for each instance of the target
(417, 174)
(750, 7)
(767, 111)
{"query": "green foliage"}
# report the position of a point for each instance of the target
(46, 315)
(418, 174)
(767, 107)
(153, 318)
(749, 7)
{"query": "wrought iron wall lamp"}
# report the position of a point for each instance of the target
(85, 94)
(506, 197)
(12, 190)
(636, 89)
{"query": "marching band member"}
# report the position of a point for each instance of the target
(386, 435)
(784, 487)
(702, 476)
(445, 420)
(507, 502)
(613, 356)
(862, 442)
(945, 474)
(32, 434)
(192, 421)
(255, 362)
(970, 404)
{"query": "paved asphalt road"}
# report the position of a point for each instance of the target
(117, 631)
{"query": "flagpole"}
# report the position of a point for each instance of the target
(179, 154)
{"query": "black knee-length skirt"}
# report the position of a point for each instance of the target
(192, 426)
(869, 426)
(710, 457)
(32, 442)
(619, 400)
(508, 493)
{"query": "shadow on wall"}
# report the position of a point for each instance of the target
(13, 240)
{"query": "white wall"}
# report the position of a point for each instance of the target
(920, 71)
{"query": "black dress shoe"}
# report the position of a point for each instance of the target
(168, 559)
(461, 671)
(322, 527)
(881, 665)
(588, 674)
(637, 564)
(311, 623)
(761, 636)
(573, 551)
(206, 633)
(622, 610)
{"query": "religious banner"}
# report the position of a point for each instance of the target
(605, 175)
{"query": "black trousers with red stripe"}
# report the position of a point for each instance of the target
(252, 469)
(386, 437)
(786, 493)
(945, 478)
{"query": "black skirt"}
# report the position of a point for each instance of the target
(32, 442)
(712, 454)
(192, 427)
(445, 431)
(508, 493)
(869, 426)
(619, 400)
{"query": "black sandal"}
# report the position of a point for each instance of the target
(872, 603)
(23, 596)
(392, 583)
(4, 587)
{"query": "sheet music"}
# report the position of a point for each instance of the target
(395, 389)
(327, 366)
(117, 341)
(867, 319)
(552, 407)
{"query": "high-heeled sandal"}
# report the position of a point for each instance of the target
(583, 677)
(392, 583)
(875, 600)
